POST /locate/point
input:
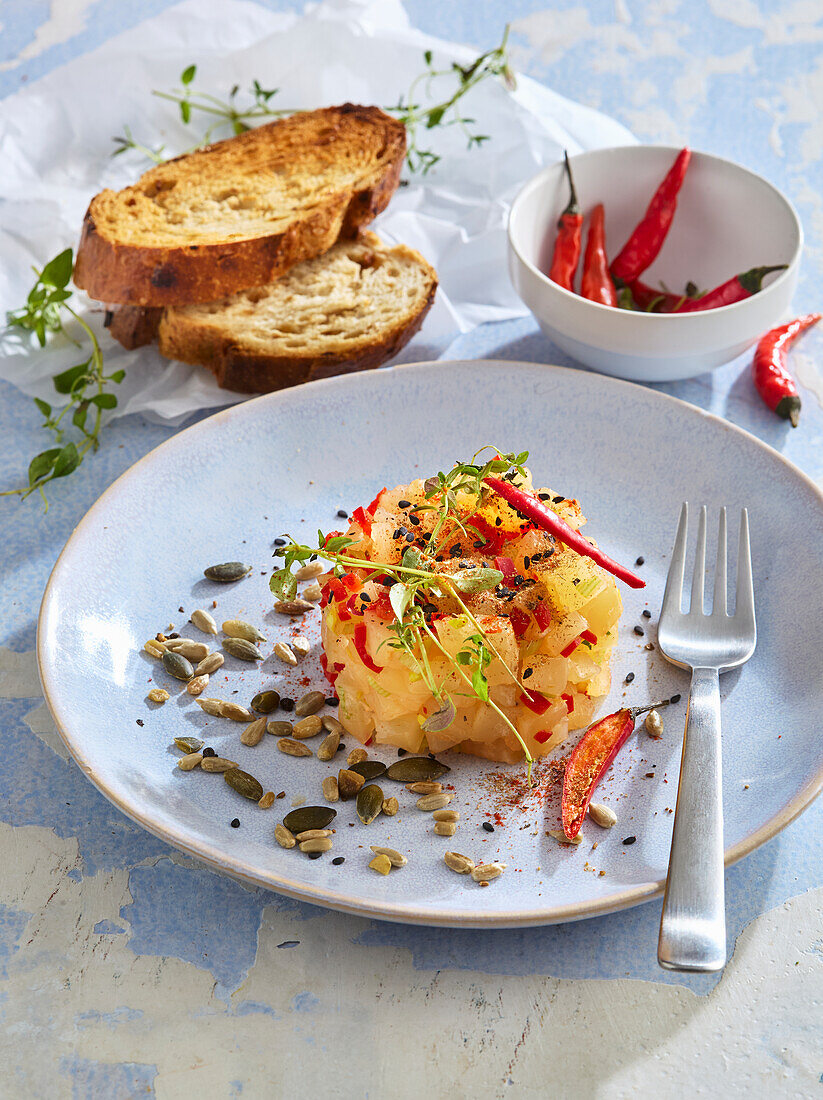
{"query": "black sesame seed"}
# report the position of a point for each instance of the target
(287, 704)
(675, 699)
(646, 614)
(338, 860)
(332, 702)
(342, 513)
(396, 534)
(209, 752)
(640, 561)
(404, 504)
(414, 520)
(629, 678)
(545, 496)
(402, 752)
(341, 747)
(279, 542)
(629, 839)
(410, 537)
(173, 635)
(639, 631)
(487, 825)
(315, 855)
(478, 544)
(498, 522)
(558, 500)
(527, 673)
(235, 823)
(365, 597)
(139, 721)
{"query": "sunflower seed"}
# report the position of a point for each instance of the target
(197, 684)
(293, 607)
(434, 801)
(210, 664)
(356, 756)
(203, 621)
(654, 724)
(445, 828)
(238, 628)
(322, 844)
(369, 803)
(369, 769)
(301, 646)
(309, 571)
(456, 862)
(227, 571)
(390, 806)
(284, 654)
(309, 817)
(395, 858)
(217, 764)
(265, 702)
(154, 648)
(560, 836)
(330, 790)
(328, 746)
(381, 864)
(279, 729)
(158, 695)
(485, 872)
(602, 815)
(267, 801)
(192, 651)
(331, 724)
(412, 769)
(254, 733)
(307, 727)
(189, 761)
(313, 592)
(349, 783)
(446, 815)
(310, 703)
(312, 834)
(244, 784)
(234, 711)
(211, 706)
(177, 666)
(242, 650)
(188, 744)
(293, 748)
(283, 837)
(424, 788)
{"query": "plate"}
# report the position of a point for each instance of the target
(225, 488)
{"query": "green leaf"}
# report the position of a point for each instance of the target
(480, 685)
(187, 76)
(67, 460)
(478, 580)
(434, 117)
(400, 596)
(185, 111)
(65, 382)
(411, 559)
(117, 376)
(41, 464)
(80, 414)
(427, 57)
(57, 271)
(283, 584)
(43, 406)
(104, 400)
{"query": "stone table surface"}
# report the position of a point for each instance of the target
(128, 970)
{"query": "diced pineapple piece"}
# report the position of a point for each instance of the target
(564, 628)
(603, 611)
(549, 676)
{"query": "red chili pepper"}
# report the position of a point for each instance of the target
(569, 701)
(773, 381)
(543, 615)
(569, 231)
(532, 508)
(655, 301)
(733, 290)
(362, 517)
(542, 736)
(642, 247)
(362, 652)
(597, 283)
(332, 673)
(570, 648)
(589, 636)
(590, 760)
(372, 508)
(535, 701)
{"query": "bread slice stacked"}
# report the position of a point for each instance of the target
(249, 257)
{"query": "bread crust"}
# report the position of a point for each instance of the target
(118, 272)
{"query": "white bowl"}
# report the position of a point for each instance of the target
(728, 220)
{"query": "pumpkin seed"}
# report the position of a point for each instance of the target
(309, 571)
(309, 817)
(322, 844)
(381, 864)
(265, 702)
(188, 744)
(424, 788)
(244, 784)
(293, 607)
(267, 801)
(310, 703)
(654, 724)
(158, 695)
(413, 769)
(312, 834)
(356, 756)
(456, 862)
(328, 746)
(284, 654)
(561, 837)
(369, 769)
(227, 572)
(313, 592)
(197, 684)
(234, 711)
(390, 806)
(283, 837)
(189, 761)
(395, 858)
(254, 733)
(203, 621)
(217, 764)
(330, 789)
(602, 815)
(279, 729)
(238, 628)
(349, 783)
(369, 803)
(210, 664)
(177, 666)
(242, 650)
(211, 706)
(446, 815)
(301, 646)
(307, 727)
(154, 648)
(434, 801)
(331, 724)
(485, 872)
(445, 828)
(192, 651)
(293, 748)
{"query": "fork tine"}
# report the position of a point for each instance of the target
(699, 575)
(744, 596)
(674, 581)
(719, 597)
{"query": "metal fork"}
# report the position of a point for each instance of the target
(693, 923)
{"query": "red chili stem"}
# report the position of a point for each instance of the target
(643, 246)
(771, 376)
(534, 509)
(567, 245)
(597, 283)
(736, 289)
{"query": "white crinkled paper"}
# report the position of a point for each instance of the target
(55, 148)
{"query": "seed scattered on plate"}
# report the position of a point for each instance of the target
(235, 711)
(322, 844)
(210, 664)
(561, 837)
(459, 863)
(414, 769)
(602, 815)
(293, 607)
(446, 815)
(203, 621)
(267, 801)
(338, 860)
(177, 666)
(369, 803)
(244, 784)
(349, 783)
(329, 787)
(241, 649)
(309, 817)
(312, 834)
(279, 729)
(331, 724)
(487, 825)
(290, 747)
(307, 727)
(265, 702)
(284, 654)
(309, 571)
(485, 872)
(445, 828)
(328, 746)
(356, 756)
(654, 724)
(396, 858)
(217, 763)
(158, 695)
(154, 648)
(254, 733)
(310, 704)
(369, 769)
(629, 839)
(197, 684)
(283, 837)
(190, 761)
(301, 646)
(227, 572)
(192, 651)
(239, 628)
(312, 592)
(381, 864)
(424, 788)
(434, 801)
(391, 806)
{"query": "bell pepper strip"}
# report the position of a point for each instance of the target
(542, 615)
(535, 701)
(570, 648)
(362, 518)
(362, 652)
(641, 249)
(372, 508)
(520, 621)
(591, 759)
(771, 377)
(542, 736)
(505, 566)
(567, 245)
(533, 508)
(736, 289)
(597, 284)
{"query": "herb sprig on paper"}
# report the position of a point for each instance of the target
(238, 112)
(84, 386)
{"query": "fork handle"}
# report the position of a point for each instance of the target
(693, 923)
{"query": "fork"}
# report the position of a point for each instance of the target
(693, 922)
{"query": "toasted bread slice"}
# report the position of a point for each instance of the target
(240, 213)
(350, 309)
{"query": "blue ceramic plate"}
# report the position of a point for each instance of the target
(225, 488)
